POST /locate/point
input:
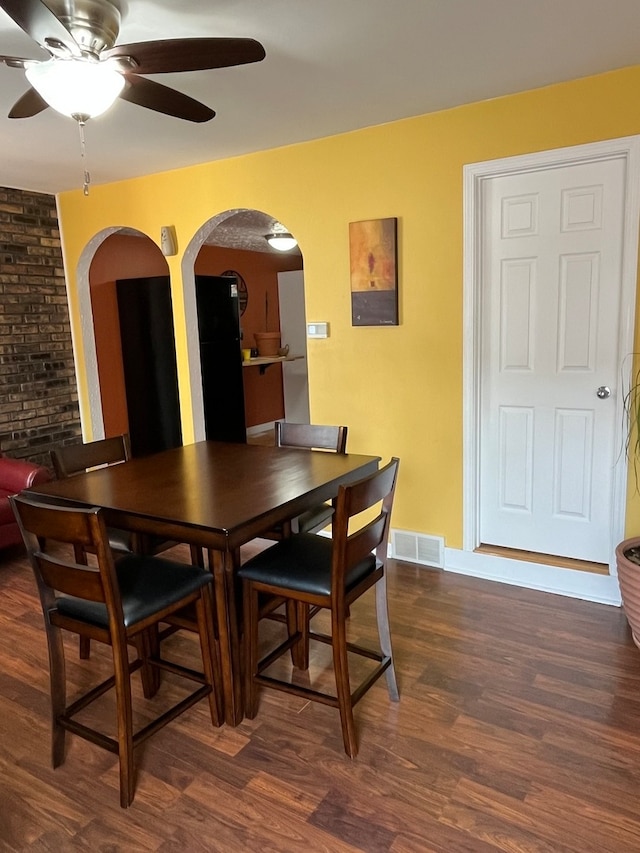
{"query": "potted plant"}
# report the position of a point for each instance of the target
(628, 551)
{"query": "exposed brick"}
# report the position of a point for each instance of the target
(38, 394)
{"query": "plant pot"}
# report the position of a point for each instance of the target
(629, 580)
(268, 343)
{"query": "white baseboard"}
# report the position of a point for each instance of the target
(603, 589)
(258, 428)
(587, 586)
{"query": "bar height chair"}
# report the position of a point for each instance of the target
(113, 603)
(312, 437)
(314, 571)
(69, 460)
(304, 437)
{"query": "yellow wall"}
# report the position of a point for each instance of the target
(399, 389)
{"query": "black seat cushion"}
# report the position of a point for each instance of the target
(147, 584)
(315, 518)
(120, 540)
(302, 563)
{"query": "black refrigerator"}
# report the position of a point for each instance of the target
(221, 357)
(149, 361)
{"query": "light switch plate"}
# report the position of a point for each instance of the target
(317, 330)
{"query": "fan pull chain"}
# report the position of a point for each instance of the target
(83, 156)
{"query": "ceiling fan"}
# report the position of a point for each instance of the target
(86, 70)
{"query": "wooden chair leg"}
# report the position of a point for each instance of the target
(250, 599)
(148, 646)
(84, 648)
(341, 669)
(57, 678)
(197, 556)
(384, 636)
(210, 656)
(125, 724)
(300, 652)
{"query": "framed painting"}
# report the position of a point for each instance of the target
(374, 272)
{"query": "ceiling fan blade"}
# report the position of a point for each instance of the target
(30, 104)
(162, 99)
(15, 61)
(168, 55)
(39, 22)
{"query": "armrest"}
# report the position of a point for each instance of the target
(18, 474)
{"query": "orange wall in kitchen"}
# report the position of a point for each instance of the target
(119, 256)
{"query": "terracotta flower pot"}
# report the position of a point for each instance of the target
(629, 580)
(268, 343)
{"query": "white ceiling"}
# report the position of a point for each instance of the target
(331, 66)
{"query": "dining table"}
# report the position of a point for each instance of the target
(217, 496)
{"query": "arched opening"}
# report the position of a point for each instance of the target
(273, 300)
(133, 352)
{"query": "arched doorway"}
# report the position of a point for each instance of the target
(273, 288)
(132, 313)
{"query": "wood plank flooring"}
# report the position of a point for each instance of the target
(518, 730)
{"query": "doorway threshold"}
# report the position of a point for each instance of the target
(544, 559)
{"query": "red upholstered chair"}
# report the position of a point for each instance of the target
(16, 475)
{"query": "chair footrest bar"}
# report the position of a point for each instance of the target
(168, 631)
(89, 734)
(98, 690)
(91, 696)
(178, 669)
(110, 744)
(359, 692)
(296, 690)
(351, 647)
(170, 714)
(278, 652)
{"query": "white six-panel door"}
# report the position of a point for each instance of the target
(551, 244)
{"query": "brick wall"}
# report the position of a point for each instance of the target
(38, 395)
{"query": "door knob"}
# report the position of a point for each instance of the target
(603, 392)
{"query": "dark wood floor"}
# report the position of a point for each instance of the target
(518, 730)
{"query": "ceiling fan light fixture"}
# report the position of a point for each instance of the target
(79, 88)
(281, 240)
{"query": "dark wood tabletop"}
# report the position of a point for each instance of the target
(218, 496)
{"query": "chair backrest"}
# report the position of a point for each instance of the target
(351, 546)
(44, 528)
(72, 459)
(311, 436)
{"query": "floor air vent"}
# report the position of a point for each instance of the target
(418, 548)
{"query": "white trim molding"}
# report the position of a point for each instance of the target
(588, 586)
(475, 176)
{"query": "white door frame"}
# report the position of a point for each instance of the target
(293, 326)
(475, 175)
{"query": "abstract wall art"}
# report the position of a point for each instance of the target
(374, 272)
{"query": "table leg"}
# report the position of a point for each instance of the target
(223, 565)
